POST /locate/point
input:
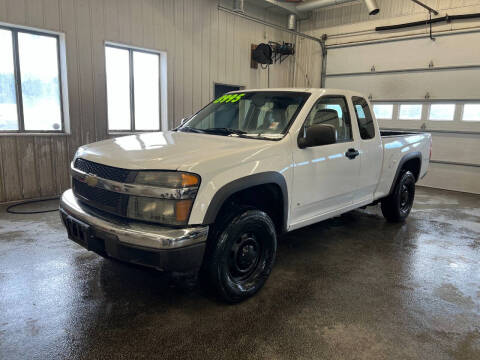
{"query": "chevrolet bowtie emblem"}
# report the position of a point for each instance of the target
(91, 180)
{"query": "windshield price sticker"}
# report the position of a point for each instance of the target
(232, 98)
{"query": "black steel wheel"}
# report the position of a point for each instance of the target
(245, 254)
(241, 255)
(397, 206)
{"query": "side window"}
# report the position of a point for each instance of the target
(332, 111)
(365, 119)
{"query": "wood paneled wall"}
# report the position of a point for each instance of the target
(203, 45)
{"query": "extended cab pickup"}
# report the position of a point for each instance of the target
(215, 193)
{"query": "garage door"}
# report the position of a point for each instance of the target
(420, 84)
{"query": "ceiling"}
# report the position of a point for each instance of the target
(269, 4)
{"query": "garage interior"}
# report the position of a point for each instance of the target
(352, 287)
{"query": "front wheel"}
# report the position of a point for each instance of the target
(242, 255)
(397, 206)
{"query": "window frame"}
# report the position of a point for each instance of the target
(425, 124)
(62, 80)
(462, 112)
(422, 110)
(347, 109)
(356, 98)
(455, 110)
(162, 78)
(393, 105)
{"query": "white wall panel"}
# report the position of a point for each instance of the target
(460, 148)
(451, 50)
(441, 85)
(451, 177)
(348, 25)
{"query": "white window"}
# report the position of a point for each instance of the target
(471, 112)
(442, 112)
(133, 89)
(410, 112)
(30, 82)
(383, 111)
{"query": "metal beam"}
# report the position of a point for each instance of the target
(279, 27)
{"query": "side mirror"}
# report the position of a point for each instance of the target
(317, 135)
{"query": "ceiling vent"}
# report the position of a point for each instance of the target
(372, 6)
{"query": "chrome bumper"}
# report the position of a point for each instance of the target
(133, 232)
(164, 248)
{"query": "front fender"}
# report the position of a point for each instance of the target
(270, 177)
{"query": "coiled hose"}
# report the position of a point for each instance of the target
(11, 207)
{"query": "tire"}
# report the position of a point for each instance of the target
(397, 206)
(241, 254)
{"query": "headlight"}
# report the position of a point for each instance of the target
(168, 211)
(168, 179)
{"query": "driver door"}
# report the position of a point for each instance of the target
(324, 179)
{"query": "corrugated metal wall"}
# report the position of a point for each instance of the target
(204, 45)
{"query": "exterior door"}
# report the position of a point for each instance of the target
(325, 178)
(371, 152)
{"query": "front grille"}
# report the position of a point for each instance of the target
(103, 171)
(109, 201)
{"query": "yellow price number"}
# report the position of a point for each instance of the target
(229, 98)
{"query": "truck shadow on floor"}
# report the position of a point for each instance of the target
(305, 251)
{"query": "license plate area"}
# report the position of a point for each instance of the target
(77, 230)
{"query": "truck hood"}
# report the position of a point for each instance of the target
(169, 150)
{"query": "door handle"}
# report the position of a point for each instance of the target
(352, 154)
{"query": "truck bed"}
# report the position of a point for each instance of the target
(387, 133)
(396, 145)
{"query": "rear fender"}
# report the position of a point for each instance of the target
(408, 157)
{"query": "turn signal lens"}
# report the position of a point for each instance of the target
(182, 210)
(189, 180)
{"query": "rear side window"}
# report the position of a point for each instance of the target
(332, 111)
(365, 119)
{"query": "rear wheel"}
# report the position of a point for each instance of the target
(397, 206)
(241, 255)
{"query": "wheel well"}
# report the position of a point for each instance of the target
(414, 165)
(265, 197)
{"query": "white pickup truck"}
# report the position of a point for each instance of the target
(215, 193)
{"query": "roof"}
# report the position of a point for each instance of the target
(318, 91)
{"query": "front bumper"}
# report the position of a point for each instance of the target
(164, 248)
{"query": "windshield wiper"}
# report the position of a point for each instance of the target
(225, 131)
(191, 129)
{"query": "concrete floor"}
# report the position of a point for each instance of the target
(354, 287)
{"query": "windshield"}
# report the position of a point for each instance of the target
(264, 114)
